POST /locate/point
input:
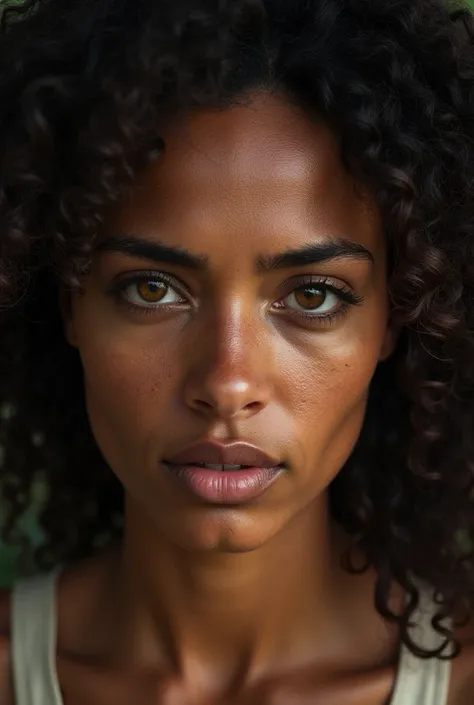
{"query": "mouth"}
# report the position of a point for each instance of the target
(222, 468)
(217, 473)
(224, 456)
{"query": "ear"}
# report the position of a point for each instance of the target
(65, 305)
(389, 342)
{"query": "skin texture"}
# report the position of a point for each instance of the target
(197, 605)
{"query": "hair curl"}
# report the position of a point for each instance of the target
(84, 88)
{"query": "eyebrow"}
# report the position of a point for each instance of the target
(315, 253)
(136, 246)
(312, 253)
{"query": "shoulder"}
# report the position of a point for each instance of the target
(5, 693)
(461, 690)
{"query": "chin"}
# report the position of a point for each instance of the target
(224, 530)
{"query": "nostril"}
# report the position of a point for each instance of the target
(202, 404)
(226, 409)
(253, 406)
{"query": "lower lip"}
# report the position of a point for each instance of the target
(224, 487)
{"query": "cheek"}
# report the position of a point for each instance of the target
(327, 387)
(129, 378)
(325, 376)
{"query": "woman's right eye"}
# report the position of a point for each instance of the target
(148, 292)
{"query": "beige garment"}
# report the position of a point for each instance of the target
(418, 682)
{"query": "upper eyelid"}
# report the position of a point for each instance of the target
(308, 279)
(337, 286)
(124, 280)
(139, 274)
(305, 279)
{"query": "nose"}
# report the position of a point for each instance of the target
(229, 376)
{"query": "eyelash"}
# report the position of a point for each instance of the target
(347, 297)
(119, 286)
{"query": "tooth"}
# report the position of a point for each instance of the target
(212, 466)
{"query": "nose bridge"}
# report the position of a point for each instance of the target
(236, 333)
(230, 375)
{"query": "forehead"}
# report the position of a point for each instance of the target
(262, 168)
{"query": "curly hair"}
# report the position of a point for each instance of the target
(84, 88)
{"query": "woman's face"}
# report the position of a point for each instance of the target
(239, 294)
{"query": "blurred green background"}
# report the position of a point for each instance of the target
(8, 556)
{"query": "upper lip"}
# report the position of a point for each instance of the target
(214, 453)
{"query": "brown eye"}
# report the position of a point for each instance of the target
(310, 297)
(315, 298)
(148, 292)
(319, 301)
(152, 292)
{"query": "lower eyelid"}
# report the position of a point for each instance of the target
(321, 318)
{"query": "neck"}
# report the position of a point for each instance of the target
(237, 611)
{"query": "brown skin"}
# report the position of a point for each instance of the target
(247, 604)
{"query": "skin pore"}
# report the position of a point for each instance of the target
(196, 324)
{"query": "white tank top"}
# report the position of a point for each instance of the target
(35, 681)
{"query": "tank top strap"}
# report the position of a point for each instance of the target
(422, 681)
(34, 631)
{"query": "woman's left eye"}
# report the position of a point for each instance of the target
(317, 298)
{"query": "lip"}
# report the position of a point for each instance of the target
(235, 453)
(228, 486)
